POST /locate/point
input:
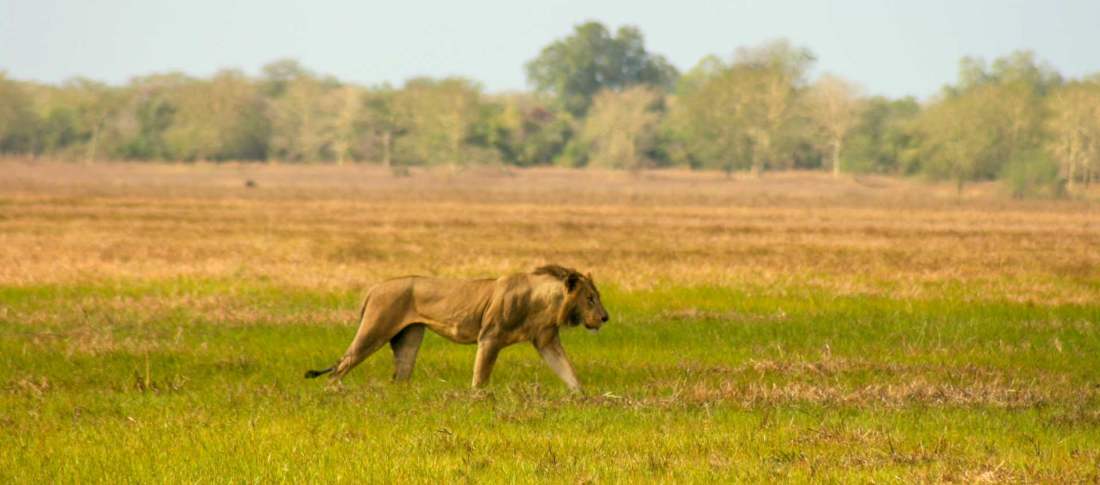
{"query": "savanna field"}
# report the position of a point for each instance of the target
(155, 322)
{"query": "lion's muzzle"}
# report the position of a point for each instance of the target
(594, 326)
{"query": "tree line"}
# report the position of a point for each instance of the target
(599, 99)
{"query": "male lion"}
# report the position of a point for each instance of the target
(494, 313)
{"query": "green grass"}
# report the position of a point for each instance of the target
(150, 382)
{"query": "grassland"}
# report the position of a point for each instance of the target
(155, 321)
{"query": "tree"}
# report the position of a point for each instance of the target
(990, 118)
(17, 118)
(1074, 127)
(577, 67)
(833, 105)
(96, 104)
(152, 104)
(707, 119)
(440, 115)
(302, 117)
(218, 119)
(380, 122)
(248, 135)
(547, 133)
(882, 140)
(57, 130)
(777, 72)
(531, 131)
(621, 127)
(278, 75)
(344, 104)
(961, 138)
(311, 117)
(1018, 67)
(743, 111)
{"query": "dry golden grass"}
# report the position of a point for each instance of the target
(333, 227)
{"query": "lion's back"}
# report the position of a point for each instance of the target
(441, 302)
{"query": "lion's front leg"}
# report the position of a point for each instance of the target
(487, 351)
(554, 355)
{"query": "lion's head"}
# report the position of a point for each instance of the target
(587, 305)
(582, 304)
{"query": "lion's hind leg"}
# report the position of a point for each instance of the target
(405, 346)
(354, 357)
(367, 341)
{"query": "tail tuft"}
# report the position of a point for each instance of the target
(310, 374)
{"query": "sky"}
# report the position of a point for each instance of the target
(891, 48)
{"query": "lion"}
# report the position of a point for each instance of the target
(493, 313)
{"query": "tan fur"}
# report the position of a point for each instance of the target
(492, 313)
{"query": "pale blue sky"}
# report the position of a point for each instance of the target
(891, 47)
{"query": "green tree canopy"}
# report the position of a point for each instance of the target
(379, 124)
(531, 132)
(577, 67)
(743, 111)
(1016, 68)
(621, 128)
(219, 119)
(17, 117)
(882, 141)
(833, 106)
(441, 115)
(1074, 131)
(989, 119)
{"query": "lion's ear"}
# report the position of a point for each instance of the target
(571, 281)
(589, 276)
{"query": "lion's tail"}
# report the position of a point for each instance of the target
(310, 374)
